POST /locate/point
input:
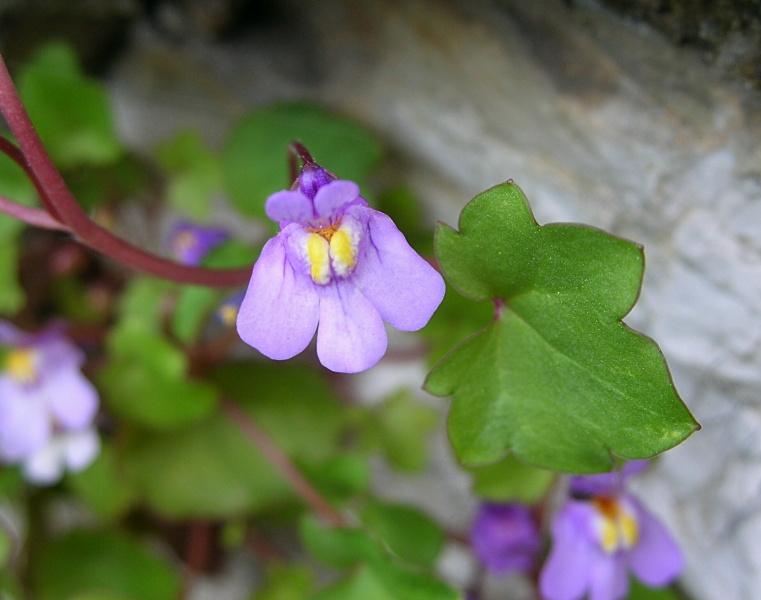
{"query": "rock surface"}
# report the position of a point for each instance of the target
(600, 121)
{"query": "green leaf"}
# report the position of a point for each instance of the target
(193, 306)
(510, 480)
(71, 111)
(145, 381)
(293, 404)
(102, 486)
(194, 173)
(93, 185)
(6, 547)
(407, 532)
(403, 425)
(455, 319)
(207, 470)
(286, 582)
(210, 469)
(339, 477)
(407, 584)
(14, 186)
(255, 159)
(154, 399)
(347, 547)
(557, 377)
(102, 565)
(338, 546)
(143, 302)
(363, 584)
(638, 591)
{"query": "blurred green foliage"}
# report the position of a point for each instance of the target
(71, 111)
(102, 564)
(254, 168)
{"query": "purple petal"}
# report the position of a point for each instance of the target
(289, 207)
(607, 484)
(566, 573)
(80, 449)
(279, 313)
(57, 353)
(404, 288)
(609, 579)
(505, 538)
(10, 335)
(46, 465)
(351, 337)
(24, 421)
(190, 243)
(70, 397)
(656, 559)
(334, 196)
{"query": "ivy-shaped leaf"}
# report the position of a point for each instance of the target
(557, 378)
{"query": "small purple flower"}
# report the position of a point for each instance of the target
(227, 311)
(607, 484)
(599, 539)
(505, 538)
(191, 243)
(47, 406)
(339, 263)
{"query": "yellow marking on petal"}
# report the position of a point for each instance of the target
(628, 530)
(21, 365)
(608, 535)
(318, 254)
(617, 527)
(342, 251)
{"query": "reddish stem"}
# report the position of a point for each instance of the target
(31, 216)
(283, 464)
(62, 205)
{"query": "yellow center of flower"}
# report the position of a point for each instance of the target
(333, 246)
(228, 313)
(184, 241)
(21, 365)
(617, 526)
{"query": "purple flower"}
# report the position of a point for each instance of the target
(46, 405)
(505, 538)
(599, 539)
(339, 263)
(191, 243)
(607, 484)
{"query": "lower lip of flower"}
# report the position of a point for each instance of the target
(616, 525)
(331, 251)
(21, 365)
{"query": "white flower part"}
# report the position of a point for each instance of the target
(73, 450)
(344, 244)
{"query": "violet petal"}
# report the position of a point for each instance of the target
(333, 197)
(404, 288)
(656, 558)
(278, 315)
(351, 337)
(289, 207)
